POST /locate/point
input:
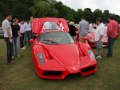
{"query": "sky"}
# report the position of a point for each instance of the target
(112, 5)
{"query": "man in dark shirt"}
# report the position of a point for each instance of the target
(15, 33)
(72, 30)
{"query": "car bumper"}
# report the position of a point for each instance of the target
(61, 73)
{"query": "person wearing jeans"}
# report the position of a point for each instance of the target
(28, 30)
(22, 35)
(112, 32)
(9, 49)
(22, 40)
(110, 46)
(16, 32)
(8, 37)
(15, 47)
(28, 36)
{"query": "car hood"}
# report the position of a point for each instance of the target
(66, 55)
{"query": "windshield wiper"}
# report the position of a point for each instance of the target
(51, 29)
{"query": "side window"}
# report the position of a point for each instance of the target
(61, 27)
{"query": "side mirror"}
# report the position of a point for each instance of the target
(31, 40)
(85, 40)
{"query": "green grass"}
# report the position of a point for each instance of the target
(21, 75)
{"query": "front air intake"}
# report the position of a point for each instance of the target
(88, 69)
(52, 73)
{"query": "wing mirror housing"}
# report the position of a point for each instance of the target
(31, 40)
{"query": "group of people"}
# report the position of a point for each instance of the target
(12, 30)
(112, 33)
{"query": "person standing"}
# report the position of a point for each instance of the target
(112, 32)
(99, 37)
(72, 30)
(83, 28)
(22, 36)
(28, 29)
(8, 37)
(15, 33)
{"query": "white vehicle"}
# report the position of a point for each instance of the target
(1, 32)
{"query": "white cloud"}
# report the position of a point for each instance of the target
(112, 5)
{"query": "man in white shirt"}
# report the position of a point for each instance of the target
(28, 29)
(8, 37)
(22, 36)
(99, 37)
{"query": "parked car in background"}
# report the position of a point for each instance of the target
(91, 38)
(1, 32)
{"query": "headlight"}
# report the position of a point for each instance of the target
(92, 40)
(92, 56)
(40, 58)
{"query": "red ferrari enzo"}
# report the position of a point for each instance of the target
(55, 54)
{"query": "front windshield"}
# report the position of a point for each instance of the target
(56, 38)
(50, 26)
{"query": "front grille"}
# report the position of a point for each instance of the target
(52, 73)
(88, 68)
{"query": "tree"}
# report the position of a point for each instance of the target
(43, 8)
(3, 9)
(105, 16)
(61, 9)
(88, 14)
(53, 11)
(97, 13)
(50, 8)
(79, 14)
(32, 10)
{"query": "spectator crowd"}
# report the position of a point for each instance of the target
(15, 29)
(112, 31)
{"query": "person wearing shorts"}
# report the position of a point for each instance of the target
(99, 37)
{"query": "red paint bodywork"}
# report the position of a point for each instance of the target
(60, 60)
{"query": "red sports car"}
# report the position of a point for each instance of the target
(55, 54)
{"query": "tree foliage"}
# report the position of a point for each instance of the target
(23, 9)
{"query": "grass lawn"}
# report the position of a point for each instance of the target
(21, 75)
